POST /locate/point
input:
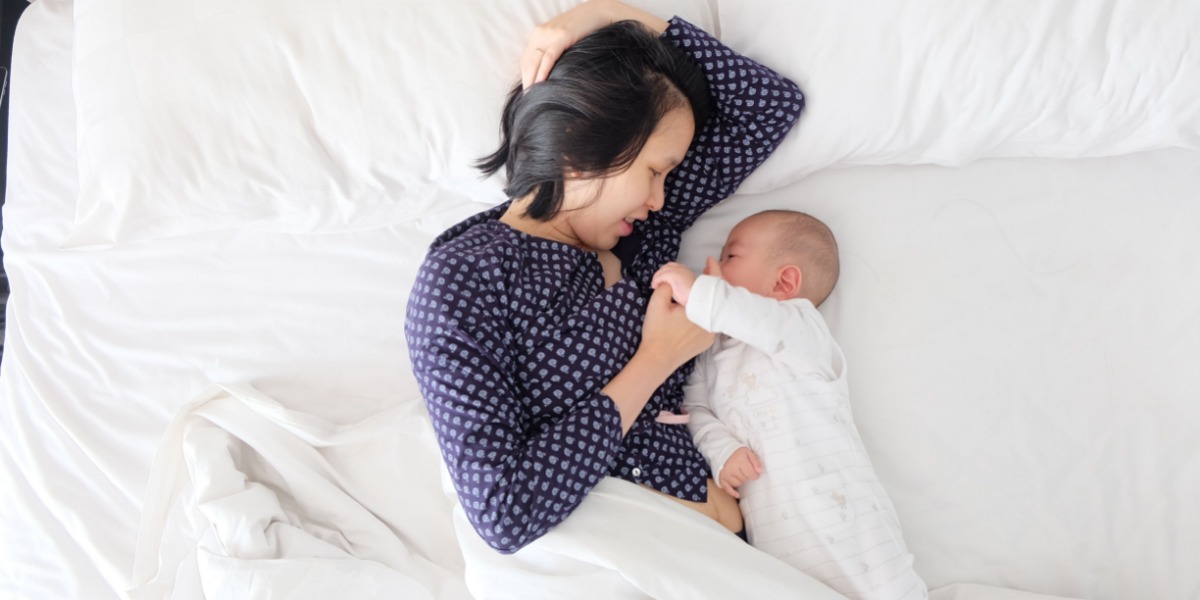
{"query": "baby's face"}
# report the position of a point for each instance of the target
(746, 259)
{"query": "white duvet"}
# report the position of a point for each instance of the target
(1023, 332)
(266, 502)
(269, 502)
(248, 499)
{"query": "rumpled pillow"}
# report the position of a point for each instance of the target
(951, 81)
(298, 116)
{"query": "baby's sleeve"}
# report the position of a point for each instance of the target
(793, 331)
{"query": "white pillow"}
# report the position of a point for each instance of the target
(951, 81)
(292, 116)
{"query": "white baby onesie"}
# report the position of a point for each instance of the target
(775, 381)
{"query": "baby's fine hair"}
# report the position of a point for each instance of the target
(803, 239)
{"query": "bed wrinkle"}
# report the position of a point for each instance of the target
(66, 514)
(260, 482)
(585, 553)
(56, 414)
(313, 130)
(1033, 419)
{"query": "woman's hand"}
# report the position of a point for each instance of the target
(669, 339)
(552, 38)
(667, 334)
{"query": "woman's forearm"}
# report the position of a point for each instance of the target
(669, 340)
(753, 108)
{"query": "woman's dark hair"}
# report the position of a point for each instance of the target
(594, 113)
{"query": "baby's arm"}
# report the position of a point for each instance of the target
(741, 467)
(793, 329)
(716, 442)
(732, 461)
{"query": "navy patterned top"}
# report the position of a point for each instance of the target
(513, 336)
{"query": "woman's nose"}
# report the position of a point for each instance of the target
(657, 198)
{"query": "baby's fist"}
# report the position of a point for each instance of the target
(712, 267)
(741, 466)
(679, 277)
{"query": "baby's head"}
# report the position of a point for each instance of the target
(782, 254)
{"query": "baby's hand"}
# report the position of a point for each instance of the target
(679, 277)
(742, 466)
(712, 267)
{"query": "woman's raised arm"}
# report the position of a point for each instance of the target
(753, 109)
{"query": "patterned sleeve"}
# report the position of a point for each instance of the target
(754, 108)
(514, 481)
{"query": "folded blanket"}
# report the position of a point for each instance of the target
(248, 499)
(626, 541)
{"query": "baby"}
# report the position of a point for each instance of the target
(768, 407)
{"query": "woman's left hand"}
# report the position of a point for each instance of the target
(552, 38)
(667, 333)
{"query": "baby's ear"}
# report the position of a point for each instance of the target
(788, 282)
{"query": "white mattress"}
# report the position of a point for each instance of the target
(1022, 335)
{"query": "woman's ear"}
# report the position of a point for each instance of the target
(788, 283)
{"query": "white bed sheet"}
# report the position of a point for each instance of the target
(1021, 335)
(103, 347)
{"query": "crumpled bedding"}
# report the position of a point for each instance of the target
(625, 542)
(248, 498)
(1024, 333)
(281, 504)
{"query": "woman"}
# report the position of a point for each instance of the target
(544, 357)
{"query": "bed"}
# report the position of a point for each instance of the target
(215, 212)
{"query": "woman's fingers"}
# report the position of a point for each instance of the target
(539, 57)
(546, 45)
(667, 333)
(531, 63)
(552, 38)
(549, 56)
(661, 296)
(658, 279)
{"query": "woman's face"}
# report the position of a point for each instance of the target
(598, 212)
